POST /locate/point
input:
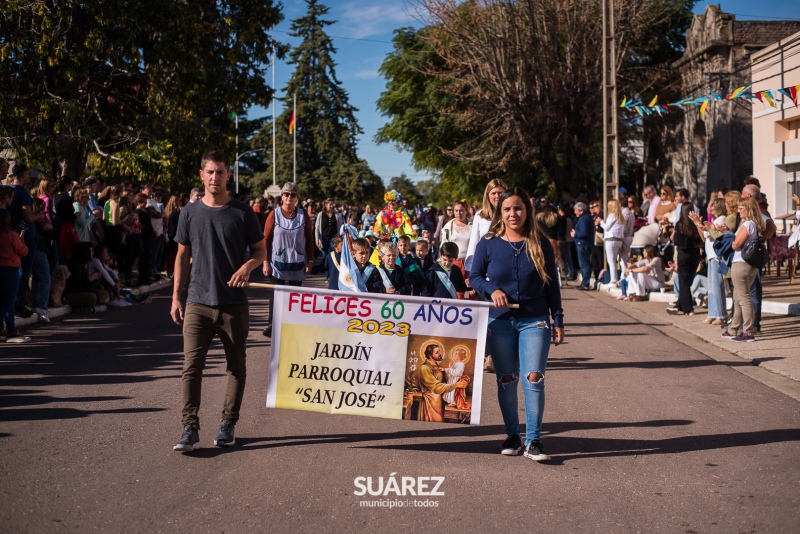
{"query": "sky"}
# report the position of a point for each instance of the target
(363, 35)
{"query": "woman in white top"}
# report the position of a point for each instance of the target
(646, 275)
(742, 273)
(613, 232)
(717, 311)
(457, 230)
(482, 220)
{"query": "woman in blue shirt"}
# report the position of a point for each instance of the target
(515, 264)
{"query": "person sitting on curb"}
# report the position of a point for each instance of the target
(645, 275)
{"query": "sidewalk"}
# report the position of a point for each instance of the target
(777, 349)
(66, 310)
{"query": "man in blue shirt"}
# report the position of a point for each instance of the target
(21, 213)
(584, 239)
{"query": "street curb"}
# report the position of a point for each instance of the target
(66, 310)
(720, 350)
(767, 306)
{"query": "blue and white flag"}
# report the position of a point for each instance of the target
(349, 277)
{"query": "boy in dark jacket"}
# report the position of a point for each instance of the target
(443, 280)
(393, 278)
(415, 276)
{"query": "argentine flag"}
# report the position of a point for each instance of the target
(349, 277)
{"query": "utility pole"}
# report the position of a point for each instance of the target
(610, 140)
(236, 167)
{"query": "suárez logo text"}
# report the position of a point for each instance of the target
(400, 486)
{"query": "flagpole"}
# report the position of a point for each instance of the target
(273, 118)
(294, 131)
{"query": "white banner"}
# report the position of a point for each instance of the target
(389, 356)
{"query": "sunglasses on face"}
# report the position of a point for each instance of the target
(290, 195)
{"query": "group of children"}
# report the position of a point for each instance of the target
(400, 270)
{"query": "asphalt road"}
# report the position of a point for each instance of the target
(647, 435)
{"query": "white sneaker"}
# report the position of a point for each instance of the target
(17, 338)
(119, 303)
(44, 316)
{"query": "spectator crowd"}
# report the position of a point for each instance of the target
(87, 244)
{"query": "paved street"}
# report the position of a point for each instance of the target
(648, 434)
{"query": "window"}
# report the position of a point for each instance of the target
(787, 130)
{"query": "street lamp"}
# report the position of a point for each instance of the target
(236, 165)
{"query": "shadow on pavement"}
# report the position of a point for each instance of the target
(572, 448)
(448, 434)
(42, 414)
(571, 364)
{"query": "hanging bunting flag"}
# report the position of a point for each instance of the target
(291, 124)
(738, 92)
(767, 96)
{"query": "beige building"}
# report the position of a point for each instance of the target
(776, 130)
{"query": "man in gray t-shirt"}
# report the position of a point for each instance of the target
(214, 234)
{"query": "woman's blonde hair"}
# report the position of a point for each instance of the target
(753, 213)
(530, 229)
(80, 193)
(44, 185)
(487, 210)
(669, 194)
(615, 209)
(172, 205)
(732, 201)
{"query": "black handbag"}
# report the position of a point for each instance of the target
(755, 253)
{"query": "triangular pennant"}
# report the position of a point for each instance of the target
(653, 102)
(703, 107)
(639, 109)
(716, 96)
(624, 101)
(793, 92)
(768, 96)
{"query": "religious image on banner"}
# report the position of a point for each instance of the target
(439, 377)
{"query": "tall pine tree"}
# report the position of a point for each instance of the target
(327, 163)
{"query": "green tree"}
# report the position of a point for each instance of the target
(144, 87)
(327, 162)
(514, 89)
(422, 113)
